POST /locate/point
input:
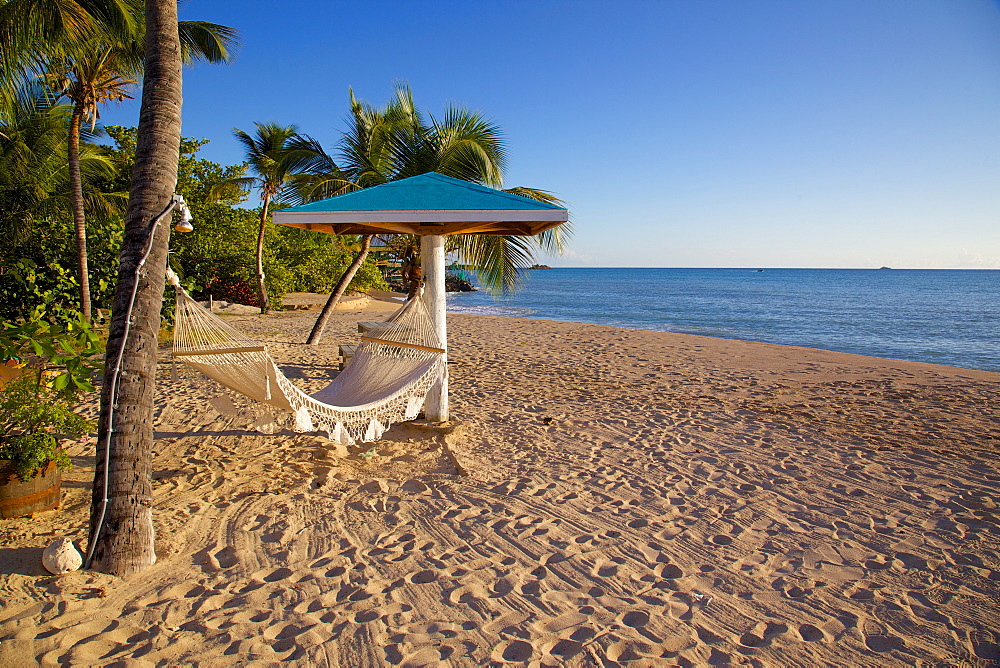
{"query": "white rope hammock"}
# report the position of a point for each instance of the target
(392, 371)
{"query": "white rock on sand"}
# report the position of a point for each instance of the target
(610, 497)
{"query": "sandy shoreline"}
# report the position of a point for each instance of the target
(605, 495)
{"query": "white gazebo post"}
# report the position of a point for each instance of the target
(432, 263)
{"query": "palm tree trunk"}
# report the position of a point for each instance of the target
(121, 522)
(338, 291)
(265, 307)
(76, 197)
(414, 279)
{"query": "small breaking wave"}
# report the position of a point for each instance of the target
(494, 309)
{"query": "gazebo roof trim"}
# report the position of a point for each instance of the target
(426, 204)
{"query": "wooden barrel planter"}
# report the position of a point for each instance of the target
(17, 498)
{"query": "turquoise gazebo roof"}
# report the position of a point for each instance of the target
(430, 203)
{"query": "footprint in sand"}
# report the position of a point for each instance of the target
(278, 574)
(605, 569)
(565, 649)
(503, 586)
(878, 639)
(669, 571)
(587, 540)
(468, 594)
(810, 633)
(414, 487)
(984, 645)
(422, 577)
(635, 619)
(513, 651)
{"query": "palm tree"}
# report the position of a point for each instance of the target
(31, 31)
(396, 142)
(121, 526)
(98, 74)
(98, 71)
(275, 154)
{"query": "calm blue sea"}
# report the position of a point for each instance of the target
(940, 316)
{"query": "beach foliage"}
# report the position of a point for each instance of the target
(274, 155)
(31, 453)
(51, 365)
(38, 259)
(60, 357)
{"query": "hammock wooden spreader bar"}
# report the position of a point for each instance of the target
(219, 351)
(403, 345)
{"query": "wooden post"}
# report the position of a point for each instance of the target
(432, 264)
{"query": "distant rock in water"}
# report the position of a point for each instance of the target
(881, 268)
(539, 266)
(456, 284)
(451, 284)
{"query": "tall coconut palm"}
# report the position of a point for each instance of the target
(121, 527)
(95, 76)
(275, 155)
(101, 70)
(397, 142)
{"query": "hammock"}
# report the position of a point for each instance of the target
(392, 371)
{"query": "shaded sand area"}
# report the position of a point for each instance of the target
(604, 497)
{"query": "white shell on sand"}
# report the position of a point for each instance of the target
(62, 557)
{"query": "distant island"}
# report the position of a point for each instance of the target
(881, 268)
(539, 266)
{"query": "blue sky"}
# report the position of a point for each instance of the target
(708, 133)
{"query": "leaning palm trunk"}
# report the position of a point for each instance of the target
(121, 523)
(317, 331)
(76, 196)
(265, 307)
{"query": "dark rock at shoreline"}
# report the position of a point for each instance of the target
(455, 284)
(451, 284)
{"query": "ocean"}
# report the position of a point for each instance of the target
(941, 316)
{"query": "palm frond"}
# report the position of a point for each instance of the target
(553, 241)
(230, 187)
(470, 147)
(500, 261)
(209, 42)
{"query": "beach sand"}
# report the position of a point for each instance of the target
(603, 496)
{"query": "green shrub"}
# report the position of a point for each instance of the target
(63, 355)
(32, 415)
(31, 454)
(56, 363)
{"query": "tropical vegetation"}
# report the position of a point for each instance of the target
(92, 66)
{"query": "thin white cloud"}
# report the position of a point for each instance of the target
(970, 260)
